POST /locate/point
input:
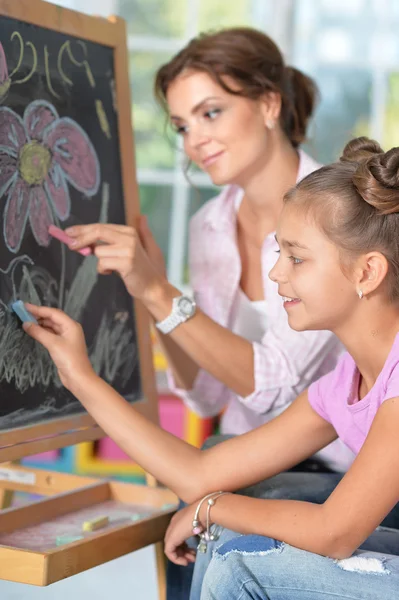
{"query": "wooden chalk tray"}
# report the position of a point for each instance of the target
(138, 516)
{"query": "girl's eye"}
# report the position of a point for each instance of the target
(277, 251)
(296, 261)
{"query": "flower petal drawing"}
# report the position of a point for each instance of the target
(57, 192)
(12, 131)
(5, 81)
(8, 171)
(39, 155)
(74, 152)
(37, 116)
(16, 215)
(40, 216)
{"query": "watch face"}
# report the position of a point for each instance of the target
(186, 306)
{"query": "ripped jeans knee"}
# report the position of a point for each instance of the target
(253, 567)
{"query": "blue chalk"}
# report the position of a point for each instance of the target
(67, 539)
(20, 310)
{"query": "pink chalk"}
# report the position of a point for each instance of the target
(60, 235)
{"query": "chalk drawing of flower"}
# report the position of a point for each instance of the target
(5, 81)
(39, 155)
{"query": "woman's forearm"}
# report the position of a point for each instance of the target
(226, 356)
(171, 460)
(183, 367)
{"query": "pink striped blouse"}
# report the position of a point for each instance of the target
(286, 361)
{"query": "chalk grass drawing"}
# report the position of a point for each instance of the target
(39, 155)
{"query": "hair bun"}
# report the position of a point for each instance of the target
(376, 176)
(360, 149)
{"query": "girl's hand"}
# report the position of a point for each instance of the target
(179, 530)
(64, 339)
(150, 246)
(122, 252)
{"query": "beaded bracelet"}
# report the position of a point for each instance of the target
(197, 527)
(206, 536)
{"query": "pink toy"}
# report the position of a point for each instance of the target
(60, 235)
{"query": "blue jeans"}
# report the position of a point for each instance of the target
(254, 567)
(311, 487)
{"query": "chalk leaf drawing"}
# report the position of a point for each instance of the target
(39, 155)
(5, 80)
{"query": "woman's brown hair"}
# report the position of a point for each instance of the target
(356, 204)
(255, 63)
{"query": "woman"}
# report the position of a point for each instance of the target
(243, 115)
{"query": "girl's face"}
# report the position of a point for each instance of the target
(316, 293)
(224, 134)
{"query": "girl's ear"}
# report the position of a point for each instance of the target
(371, 272)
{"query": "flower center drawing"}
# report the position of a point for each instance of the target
(34, 162)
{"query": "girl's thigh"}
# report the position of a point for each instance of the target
(257, 567)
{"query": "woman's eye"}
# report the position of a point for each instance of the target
(180, 130)
(212, 114)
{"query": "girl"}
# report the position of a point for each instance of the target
(338, 269)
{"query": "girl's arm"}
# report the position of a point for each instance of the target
(357, 506)
(190, 473)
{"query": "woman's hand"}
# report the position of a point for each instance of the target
(64, 339)
(118, 248)
(179, 530)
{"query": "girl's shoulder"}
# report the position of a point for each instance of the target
(339, 380)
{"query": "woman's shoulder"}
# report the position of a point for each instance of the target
(218, 210)
(307, 165)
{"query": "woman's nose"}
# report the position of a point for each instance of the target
(197, 137)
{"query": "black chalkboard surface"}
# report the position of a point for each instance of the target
(59, 163)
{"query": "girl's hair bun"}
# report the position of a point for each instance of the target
(360, 149)
(376, 175)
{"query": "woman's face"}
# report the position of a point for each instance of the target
(224, 134)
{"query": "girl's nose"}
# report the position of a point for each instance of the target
(277, 273)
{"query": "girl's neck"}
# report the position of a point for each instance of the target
(265, 187)
(370, 344)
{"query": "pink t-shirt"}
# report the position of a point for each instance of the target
(335, 397)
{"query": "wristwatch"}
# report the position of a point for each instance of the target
(183, 308)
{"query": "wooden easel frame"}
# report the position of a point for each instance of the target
(22, 441)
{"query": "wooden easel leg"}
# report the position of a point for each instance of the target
(6, 498)
(160, 559)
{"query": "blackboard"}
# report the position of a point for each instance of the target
(60, 162)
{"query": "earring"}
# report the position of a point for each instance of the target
(270, 123)
(360, 294)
